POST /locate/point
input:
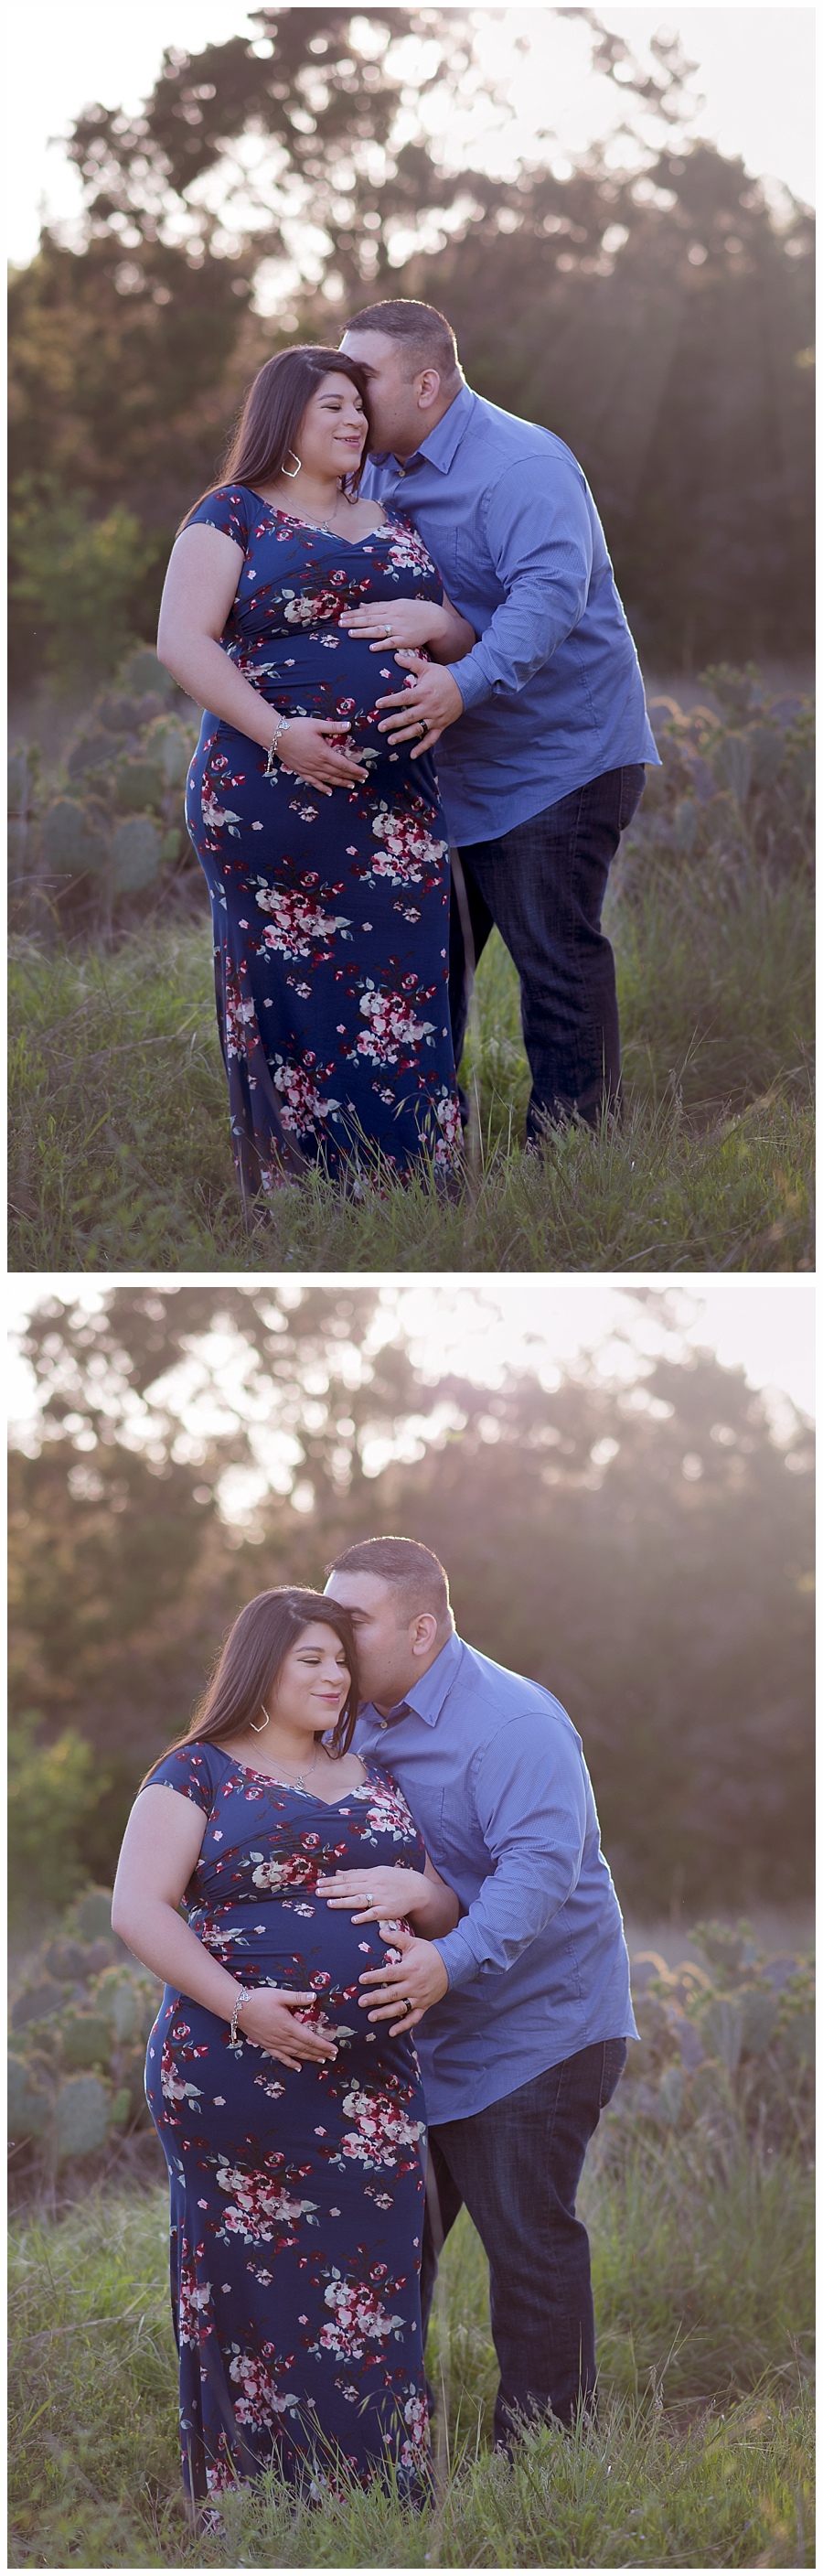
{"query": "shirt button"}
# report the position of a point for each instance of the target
(383, 1724)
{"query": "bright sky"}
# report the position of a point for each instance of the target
(477, 1326)
(755, 75)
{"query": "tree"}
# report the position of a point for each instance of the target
(644, 1554)
(660, 319)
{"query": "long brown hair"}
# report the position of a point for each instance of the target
(272, 413)
(251, 1661)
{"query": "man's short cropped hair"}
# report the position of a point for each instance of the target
(426, 335)
(407, 1567)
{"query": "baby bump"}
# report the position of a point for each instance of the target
(299, 1942)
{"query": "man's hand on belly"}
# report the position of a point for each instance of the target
(415, 1978)
(431, 696)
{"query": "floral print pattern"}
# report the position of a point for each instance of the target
(296, 2199)
(327, 911)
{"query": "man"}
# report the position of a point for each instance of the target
(526, 2003)
(545, 767)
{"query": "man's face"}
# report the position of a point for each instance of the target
(399, 422)
(388, 1667)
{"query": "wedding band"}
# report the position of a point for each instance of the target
(423, 728)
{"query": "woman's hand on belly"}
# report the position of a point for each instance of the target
(381, 1895)
(394, 621)
(268, 2020)
(412, 623)
(307, 748)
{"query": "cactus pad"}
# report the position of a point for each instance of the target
(135, 855)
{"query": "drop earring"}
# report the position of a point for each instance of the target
(258, 1730)
(291, 477)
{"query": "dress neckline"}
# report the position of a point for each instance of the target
(311, 526)
(291, 1785)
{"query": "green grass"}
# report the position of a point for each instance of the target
(701, 2456)
(120, 1155)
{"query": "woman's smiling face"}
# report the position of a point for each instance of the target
(312, 1683)
(333, 430)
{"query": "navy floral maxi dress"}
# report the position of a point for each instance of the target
(296, 2198)
(330, 913)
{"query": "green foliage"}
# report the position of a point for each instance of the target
(659, 318)
(711, 907)
(702, 2455)
(77, 579)
(712, 929)
(667, 377)
(80, 2022)
(124, 1576)
(136, 854)
(726, 2047)
(61, 1781)
(129, 757)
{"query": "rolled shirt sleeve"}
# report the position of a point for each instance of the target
(532, 1810)
(540, 538)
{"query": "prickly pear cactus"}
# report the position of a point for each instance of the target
(726, 2040)
(81, 2116)
(111, 825)
(136, 854)
(73, 844)
(89, 1918)
(78, 2039)
(19, 780)
(737, 780)
(30, 2100)
(139, 784)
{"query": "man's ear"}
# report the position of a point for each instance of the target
(423, 1632)
(428, 388)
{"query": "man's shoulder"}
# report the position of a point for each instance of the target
(506, 439)
(497, 1694)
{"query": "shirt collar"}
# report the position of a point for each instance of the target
(427, 1697)
(439, 449)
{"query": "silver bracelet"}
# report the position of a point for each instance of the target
(283, 723)
(244, 1996)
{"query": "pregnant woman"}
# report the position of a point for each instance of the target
(317, 822)
(291, 2121)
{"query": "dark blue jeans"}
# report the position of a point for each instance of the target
(542, 886)
(517, 2167)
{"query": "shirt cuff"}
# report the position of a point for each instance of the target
(471, 681)
(458, 1959)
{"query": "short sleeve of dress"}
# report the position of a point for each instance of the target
(189, 1770)
(229, 509)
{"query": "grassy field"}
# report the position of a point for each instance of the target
(120, 1154)
(701, 2455)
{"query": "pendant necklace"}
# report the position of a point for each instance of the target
(302, 1776)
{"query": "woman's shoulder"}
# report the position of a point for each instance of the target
(232, 508)
(194, 1769)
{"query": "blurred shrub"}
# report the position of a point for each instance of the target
(727, 2045)
(80, 2023)
(735, 785)
(54, 1789)
(109, 826)
(76, 580)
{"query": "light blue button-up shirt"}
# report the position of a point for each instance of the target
(493, 1771)
(552, 689)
